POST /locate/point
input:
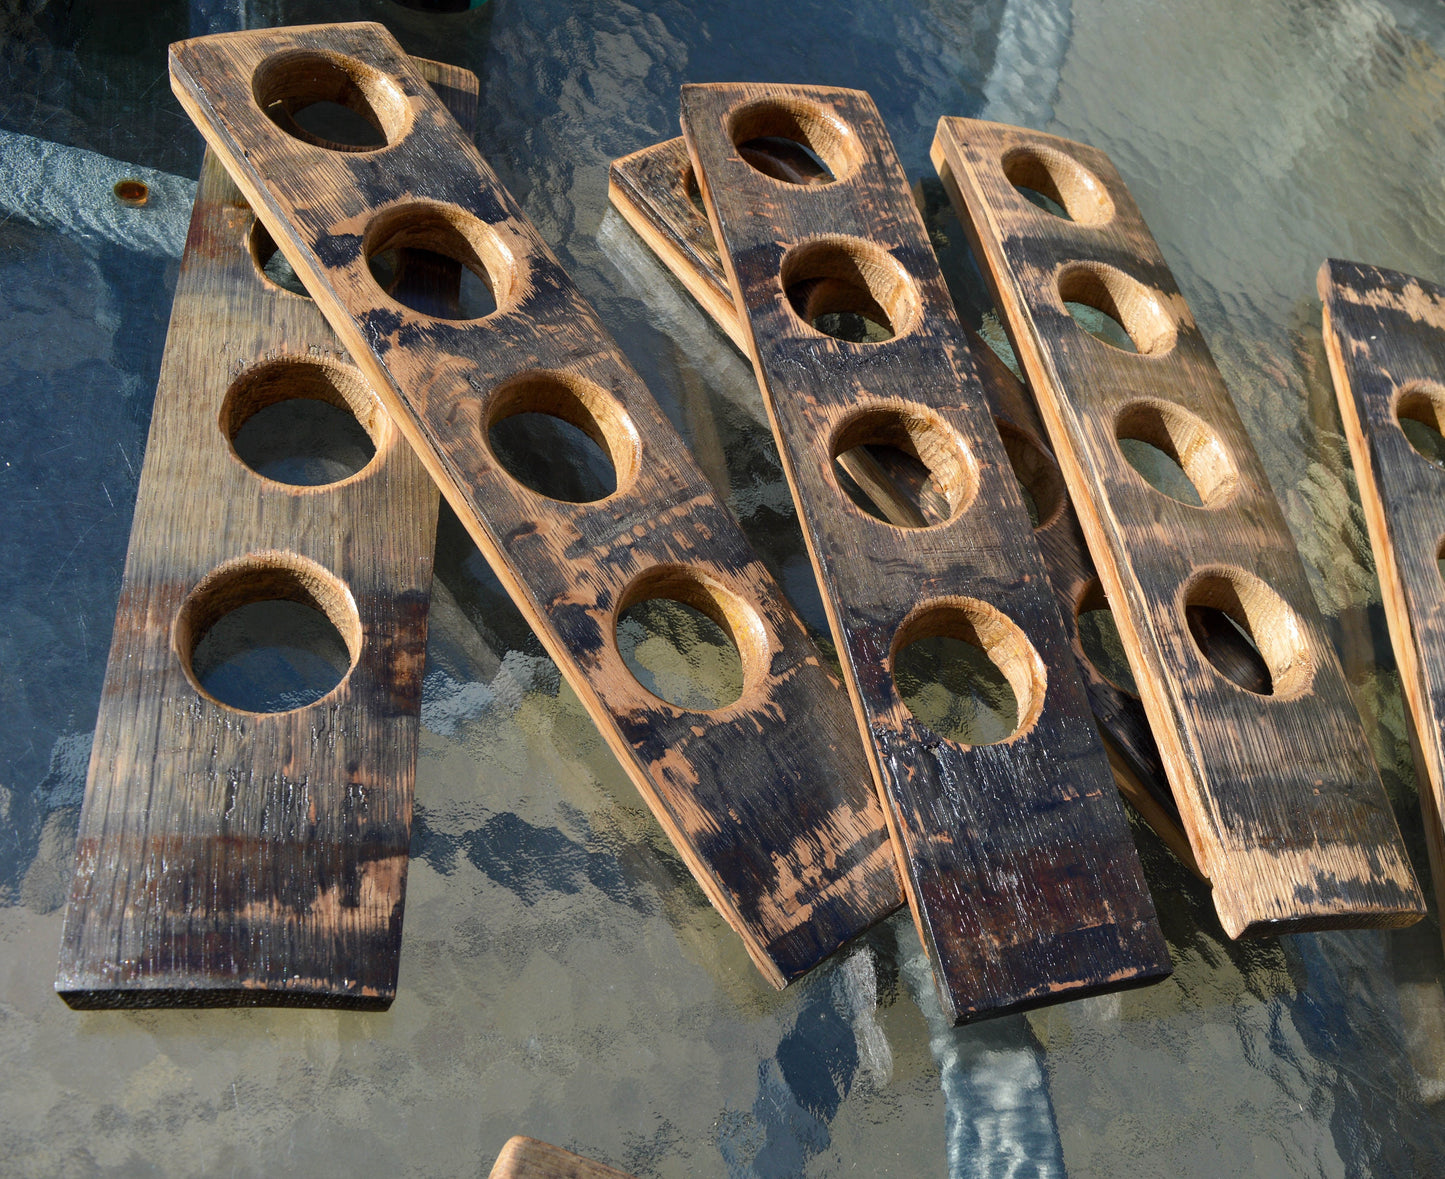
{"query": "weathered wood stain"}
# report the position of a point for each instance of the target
(230, 857)
(653, 189)
(1385, 336)
(1279, 796)
(758, 795)
(1017, 858)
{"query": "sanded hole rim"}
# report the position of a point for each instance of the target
(733, 614)
(1137, 308)
(811, 124)
(453, 233)
(1036, 470)
(920, 432)
(1276, 631)
(301, 378)
(1185, 438)
(258, 237)
(579, 402)
(271, 575)
(1421, 401)
(839, 272)
(297, 78)
(1063, 179)
(974, 621)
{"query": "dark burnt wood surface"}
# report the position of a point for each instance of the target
(1281, 800)
(1017, 858)
(227, 857)
(652, 189)
(1385, 336)
(767, 799)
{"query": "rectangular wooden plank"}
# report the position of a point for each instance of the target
(527, 1158)
(228, 856)
(654, 190)
(1282, 803)
(767, 798)
(1016, 856)
(1385, 336)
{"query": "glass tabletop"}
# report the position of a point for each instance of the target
(562, 975)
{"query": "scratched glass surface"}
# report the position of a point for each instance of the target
(561, 974)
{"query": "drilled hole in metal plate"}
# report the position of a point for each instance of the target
(904, 465)
(1420, 410)
(1176, 453)
(562, 436)
(440, 260)
(268, 633)
(1059, 184)
(302, 422)
(1040, 481)
(967, 673)
(849, 289)
(1248, 633)
(271, 263)
(688, 641)
(1099, 636)
(795, 141)
(1116, 309)
(331, 101)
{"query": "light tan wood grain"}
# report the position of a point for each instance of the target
(1279, 796)
(527, 1158)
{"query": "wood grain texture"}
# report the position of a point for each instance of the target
(767, 799)
(1385, 336)
(654, 190)
(1282, 803)
(1017, 858)
(230, 857)
(526, 1158)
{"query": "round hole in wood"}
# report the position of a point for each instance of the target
(439, 260)
(794, 141)
(1420, 411)
(1112, 294)
(689, 640)
(1074, 192)
(1440, 556)
(1039, 477)
(967, 672)
(1253, 612)
(849, 289)
(1100, 638)
(331, 100)
(269, 632)
(1176, 453)
(903, 464)
(271, 263)
(562, 436)
(306, 423)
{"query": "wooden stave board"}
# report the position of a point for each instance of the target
(528, 1158)
(1046, 899)
(797, 861)
(1385, 331)
(163, 751)
(1320, 848)
(652, 189)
